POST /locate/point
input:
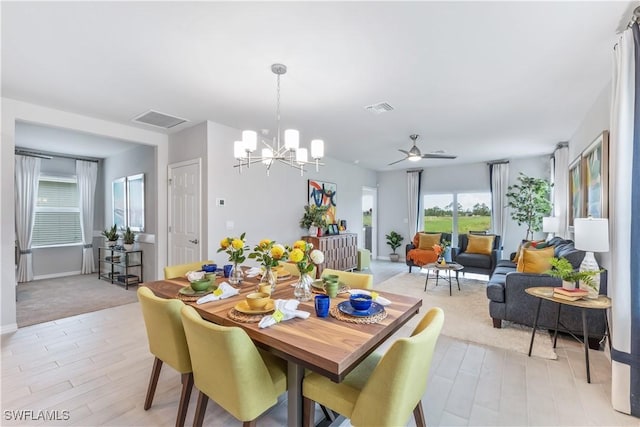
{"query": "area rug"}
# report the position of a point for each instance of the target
(467, 313)
(52, 299)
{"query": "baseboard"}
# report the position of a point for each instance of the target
(7, 329)
(386, 258)
(56, 275)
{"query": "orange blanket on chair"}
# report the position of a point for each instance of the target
(421, 257)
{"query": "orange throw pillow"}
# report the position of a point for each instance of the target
(426, 241)
(479, 244)
(535, 260)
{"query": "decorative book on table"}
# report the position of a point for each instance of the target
(569, 294)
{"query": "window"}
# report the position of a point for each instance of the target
(462, 212)
(57, 213)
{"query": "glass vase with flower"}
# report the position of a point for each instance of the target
(305, 258)
(441, 249)
(268, 253)
(235, 247)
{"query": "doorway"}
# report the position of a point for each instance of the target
(185, 240)
(370, 220)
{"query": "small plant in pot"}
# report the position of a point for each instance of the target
(562, 269)
(314, 219)
(111, 234)
(394, 240)
(128, 239)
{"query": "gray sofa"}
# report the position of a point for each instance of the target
(509, 301)
(476, 263)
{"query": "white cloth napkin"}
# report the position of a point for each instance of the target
(227, 291)
(289, 310)
(379, 299)
(253, 272)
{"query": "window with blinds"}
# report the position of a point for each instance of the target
(57, 213)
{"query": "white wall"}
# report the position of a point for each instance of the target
(392, 210)
(13, 111)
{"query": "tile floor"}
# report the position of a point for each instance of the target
(96, 366)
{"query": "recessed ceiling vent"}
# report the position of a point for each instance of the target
(157, 119)
(379, 108)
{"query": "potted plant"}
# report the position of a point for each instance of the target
(314, 219)
(562, 269)
(128, 238)
(394, 240)
(111, 234)
(529, 202)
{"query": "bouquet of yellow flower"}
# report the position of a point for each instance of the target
(440, 248)
(268, 253)
(234, 247)
(304, 256)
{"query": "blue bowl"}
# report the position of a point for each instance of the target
(209, 268)
(360, 302)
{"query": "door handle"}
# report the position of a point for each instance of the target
(194, 241)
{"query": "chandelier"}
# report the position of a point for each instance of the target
(288, 151)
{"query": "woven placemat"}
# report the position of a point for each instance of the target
(343, 290)
(190, 298)
(238, 316)
(378, 317)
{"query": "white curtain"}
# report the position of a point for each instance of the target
(499, 175)
(87, 175)
(561, 189)
(623, 275)
(413, 196)
(27, 173)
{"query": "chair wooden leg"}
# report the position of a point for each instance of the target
(418, 414)
(153, 382)
(251, 423)
(308, 412)
(187, 385)
(201, 407)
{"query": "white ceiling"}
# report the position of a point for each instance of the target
(482, 80)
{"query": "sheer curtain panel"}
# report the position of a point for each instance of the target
(624, 223)
(413, 197)
(86, 175)
(561, 189)
(499, 182)
(26, 192)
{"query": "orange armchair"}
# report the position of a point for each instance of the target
(417, 255)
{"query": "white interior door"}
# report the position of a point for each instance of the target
(370, 216)
(184, 213)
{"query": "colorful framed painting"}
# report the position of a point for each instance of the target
(595, 166)
(576, 202)
(323, 193)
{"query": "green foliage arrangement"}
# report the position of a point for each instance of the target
(529, 202)
(314, 215)
(562, 269)
(128, 237)
(111, 234)
(394, 240)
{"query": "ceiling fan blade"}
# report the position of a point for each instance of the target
(438, 156)
(406, 153)
(397, 161)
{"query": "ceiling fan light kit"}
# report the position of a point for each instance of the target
(288, 151)
(414, 154)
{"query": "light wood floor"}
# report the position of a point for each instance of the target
(97, 366)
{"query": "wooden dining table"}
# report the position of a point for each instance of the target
(328, 346)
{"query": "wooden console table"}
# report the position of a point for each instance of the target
(340, 251)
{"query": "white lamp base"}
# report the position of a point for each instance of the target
(589, 263)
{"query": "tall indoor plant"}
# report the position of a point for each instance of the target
(529, 202)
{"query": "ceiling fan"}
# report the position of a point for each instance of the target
(414, 153)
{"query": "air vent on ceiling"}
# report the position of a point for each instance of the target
(157, 119)
(379, 108)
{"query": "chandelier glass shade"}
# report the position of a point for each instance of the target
(286, 150)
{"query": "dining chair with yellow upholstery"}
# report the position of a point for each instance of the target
(180, 270)
(167, 343)
(230, 370)
(383, 390)
(293, 269)
(353, 280)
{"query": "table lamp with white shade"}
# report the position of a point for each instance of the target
(551, 225)
(591, 235)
